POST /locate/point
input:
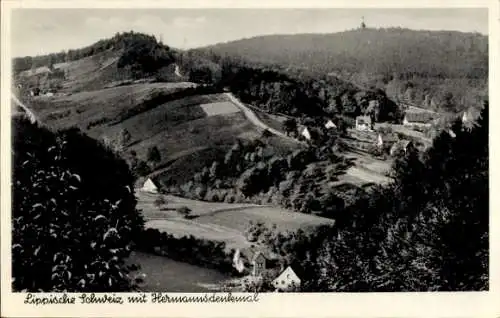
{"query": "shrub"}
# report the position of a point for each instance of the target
(160, 201)
(184, 211)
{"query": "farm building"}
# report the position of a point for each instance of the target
(400, 146)
(306, 134)
(465, 117)
(418, 118)
(258, 264)
(149, 186)
(286, 280)
(254, 259)
(35, 92)
(364, 123)
(329, 125)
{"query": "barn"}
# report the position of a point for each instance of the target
(149, 186)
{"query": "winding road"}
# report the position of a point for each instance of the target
(250, 115)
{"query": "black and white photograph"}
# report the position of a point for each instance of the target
(247, 150)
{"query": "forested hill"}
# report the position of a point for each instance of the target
(378, 51)
(142, 53)
(431, 66)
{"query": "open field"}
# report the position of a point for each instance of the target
(146, 203)
(284, 220)
(97, 108)
(219, 221)
(219, 108)
(181, 227)
(163, 274)
(186, 137)
(89, 73)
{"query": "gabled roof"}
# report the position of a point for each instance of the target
(258, 255)
(330, 124)
(149, 185)
(288, 274)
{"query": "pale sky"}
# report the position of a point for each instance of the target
(42, 31)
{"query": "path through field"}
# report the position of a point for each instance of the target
(250, 115)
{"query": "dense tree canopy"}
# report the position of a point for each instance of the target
(73, 213)
(426, 231)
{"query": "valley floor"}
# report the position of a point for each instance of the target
(160, 274)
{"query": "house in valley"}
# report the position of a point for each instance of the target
(364, 123)
(329, 125)
(287, 280)
(401, 146)
(419, 118)
(149, 186)
(305, 133)
(465, 117)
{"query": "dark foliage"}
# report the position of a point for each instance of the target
(186, 249)
(427, 231)
(74, 215)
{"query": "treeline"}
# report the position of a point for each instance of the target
(74, 214)
(187, 249)
(296, 93)
(371, 51)
(427, 231)
(142, 54)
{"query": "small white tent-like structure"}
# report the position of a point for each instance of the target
(380, 141)
(465, 118)
(306, 134)
(329, 124)
(149, 186)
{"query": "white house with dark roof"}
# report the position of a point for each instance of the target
(286, 280)
(364, 123)
(330, 124)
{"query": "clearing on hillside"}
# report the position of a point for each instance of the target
(219, 108)
(220, 221)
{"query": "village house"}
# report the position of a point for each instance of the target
(287, 280)
(418, 118)
(35, 91)
(468, 118)
(401, 146)
(149, 186)
(306, 134)
(258, 264)
(364, 123)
